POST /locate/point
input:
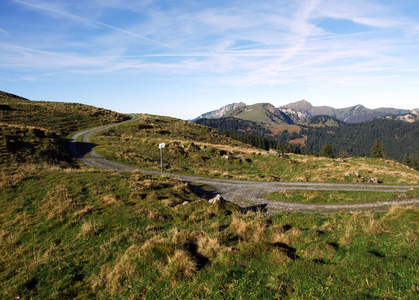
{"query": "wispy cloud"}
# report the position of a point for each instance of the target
(230, 44)
(83, 19)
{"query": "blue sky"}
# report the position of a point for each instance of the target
(185, 58)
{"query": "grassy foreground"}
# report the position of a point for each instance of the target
(196, 149)
(96, 234)
(333, 197)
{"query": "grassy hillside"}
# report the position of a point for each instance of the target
(92, 234)
(35, 131)
(195, 149)
(59, 117)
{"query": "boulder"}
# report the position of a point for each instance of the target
(217, 200)
(369, 180)
(241, 158)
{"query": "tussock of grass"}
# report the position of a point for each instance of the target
(89, 227)
(179, 266)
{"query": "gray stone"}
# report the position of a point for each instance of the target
(217, 200)
(241, 158)
(369, 180)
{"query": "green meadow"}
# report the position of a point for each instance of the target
(72, 231)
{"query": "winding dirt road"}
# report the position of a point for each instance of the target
(247, 194)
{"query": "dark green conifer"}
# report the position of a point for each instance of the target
(327, 151)
(378, 150)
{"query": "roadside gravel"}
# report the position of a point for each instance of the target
(247, 194)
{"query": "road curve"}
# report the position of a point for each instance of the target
(247, 194)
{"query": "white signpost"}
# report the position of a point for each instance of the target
(161, 146)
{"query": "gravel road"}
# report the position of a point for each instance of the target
(247, 194)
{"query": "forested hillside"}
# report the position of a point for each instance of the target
(400, 139)
(238, 127)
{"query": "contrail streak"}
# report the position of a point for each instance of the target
(44, 52)
(93, 22)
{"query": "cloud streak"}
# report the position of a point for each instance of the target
(228, 46)
(92, 22)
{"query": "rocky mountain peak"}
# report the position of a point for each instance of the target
(301, 105)
(219, 113)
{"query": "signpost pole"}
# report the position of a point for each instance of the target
(161, 161)
(161, 146)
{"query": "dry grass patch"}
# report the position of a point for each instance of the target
(89, 228)
(122, 271)
(112, 200)
(248, 229)
(179, 265)
(85, 211)
(210, 246)
(58, 202)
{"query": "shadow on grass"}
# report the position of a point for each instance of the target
(200, 259)
(80, 149)
(203, 191)
(255, 208)
(287, 250)
(376, 253)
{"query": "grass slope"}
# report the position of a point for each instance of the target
(35, 131)
(195, 149)
(95, 234)
(333, 197)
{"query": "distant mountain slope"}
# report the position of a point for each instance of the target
(302, 111)
(263, 113)
(411, 117)
(282, 133)
(352, 114)
(325, 120)
(235, 124)
(219, 113)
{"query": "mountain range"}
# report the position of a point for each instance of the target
(301, 112)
